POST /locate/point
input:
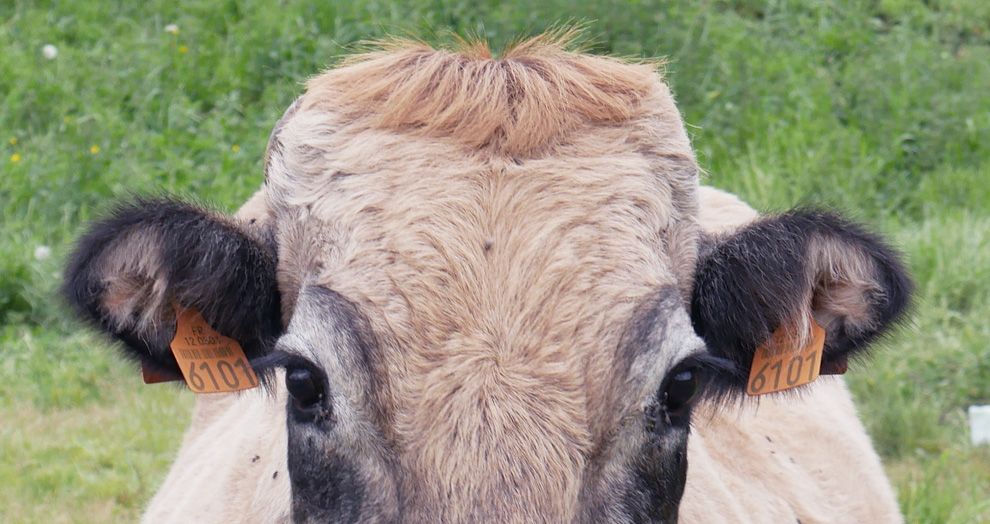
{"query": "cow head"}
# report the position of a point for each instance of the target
(484, 287)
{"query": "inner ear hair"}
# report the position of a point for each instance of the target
(845, 286)
(780, 272)
(129, 268)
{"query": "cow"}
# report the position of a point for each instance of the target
(486, 289)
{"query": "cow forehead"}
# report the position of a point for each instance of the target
(490, 258)
(499, 277)
(476, 148)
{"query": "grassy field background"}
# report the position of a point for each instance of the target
(880, 108)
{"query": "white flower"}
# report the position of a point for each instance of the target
(49, 51)
(172, 28)
(42, 252)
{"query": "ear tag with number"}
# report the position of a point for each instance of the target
(210, 362)
(781, 363)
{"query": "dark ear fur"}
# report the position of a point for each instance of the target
(128, 269)
(773, 272)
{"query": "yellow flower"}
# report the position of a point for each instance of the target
(235, 148)
(66, 120)
(94, 149)
(13, 141)
(15, 158)
(183, 49)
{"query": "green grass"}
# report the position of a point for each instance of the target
(878, 107)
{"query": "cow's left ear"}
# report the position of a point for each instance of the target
(779, 270)
(130, 270)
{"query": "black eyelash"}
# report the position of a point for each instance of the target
(712, 371)
(266, 366)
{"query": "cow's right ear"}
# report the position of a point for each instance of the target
(779, 273)
(128, 270)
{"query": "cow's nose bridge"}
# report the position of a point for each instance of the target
(496, 442)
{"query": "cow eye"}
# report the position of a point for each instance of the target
(306, 391)
(680, 390)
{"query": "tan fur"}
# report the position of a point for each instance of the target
(795, 457)
(134, 284)
(517, 105)
(845, 283)
(841, 281)
(231, 467)
(413, 195)
(232, 464)
(722, 212)
(740, 457)
(472, 209)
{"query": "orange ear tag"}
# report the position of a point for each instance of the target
(210, 362)
(781, 363)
